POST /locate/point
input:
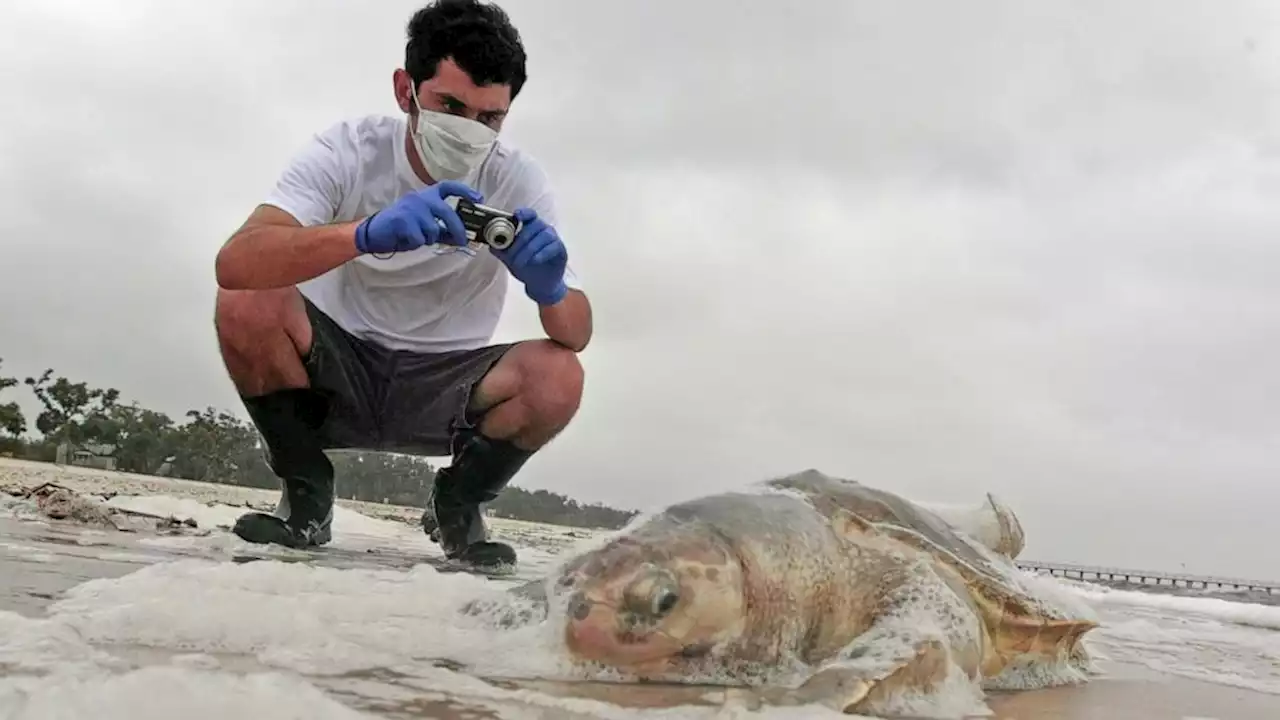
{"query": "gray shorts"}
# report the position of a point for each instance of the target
(391, 400)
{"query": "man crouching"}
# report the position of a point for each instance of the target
(351, 312)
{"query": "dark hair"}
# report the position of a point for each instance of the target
(478, 36)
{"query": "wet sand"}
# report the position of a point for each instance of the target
(1133, 693)
(56, 557)
(1127, 693)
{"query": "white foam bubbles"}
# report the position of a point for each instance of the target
(1200, 638)
(313, 620)
(165, 692)
(1224, 611)
(33, 646)
(51, 671)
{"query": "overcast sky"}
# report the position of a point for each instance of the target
(943, 248)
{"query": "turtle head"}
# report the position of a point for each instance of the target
(654, 604)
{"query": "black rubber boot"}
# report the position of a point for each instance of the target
(288, 421)
(481, 468)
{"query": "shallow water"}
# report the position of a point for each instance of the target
(108, 624)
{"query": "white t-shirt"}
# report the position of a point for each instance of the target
(418, 300)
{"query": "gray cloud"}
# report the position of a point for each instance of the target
(942, 248)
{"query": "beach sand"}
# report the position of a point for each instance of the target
(28, 585)
(1131, 695)
(1127, 692)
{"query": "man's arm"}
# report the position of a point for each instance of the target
(293, 236)
(568, 322)
(273, 250)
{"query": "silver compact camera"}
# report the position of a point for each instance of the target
(490, 226)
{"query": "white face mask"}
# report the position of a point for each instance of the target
(451, 147)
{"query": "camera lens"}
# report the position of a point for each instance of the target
(499, 233)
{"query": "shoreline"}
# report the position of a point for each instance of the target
(1122, 691)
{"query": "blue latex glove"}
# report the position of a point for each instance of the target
(414, 220)
(537, 258)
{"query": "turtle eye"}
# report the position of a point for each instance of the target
(664, 599)
(653, 595)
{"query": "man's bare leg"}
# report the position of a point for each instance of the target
(531, 394)
(263, 336)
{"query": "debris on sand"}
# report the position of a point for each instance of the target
(58, 502)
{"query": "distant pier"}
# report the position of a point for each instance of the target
(1149, 577)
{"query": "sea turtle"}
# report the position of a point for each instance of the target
(814, 589)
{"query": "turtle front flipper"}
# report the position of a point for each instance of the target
(874, 672)
(902, 640)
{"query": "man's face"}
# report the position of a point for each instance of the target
(452, 91)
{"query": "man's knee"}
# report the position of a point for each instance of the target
(245, 318)
(552, 381)
(263, 335)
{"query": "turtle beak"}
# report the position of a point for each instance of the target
(594, 632)
(589, 629)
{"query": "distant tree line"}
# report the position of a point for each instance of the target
(210, 445)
